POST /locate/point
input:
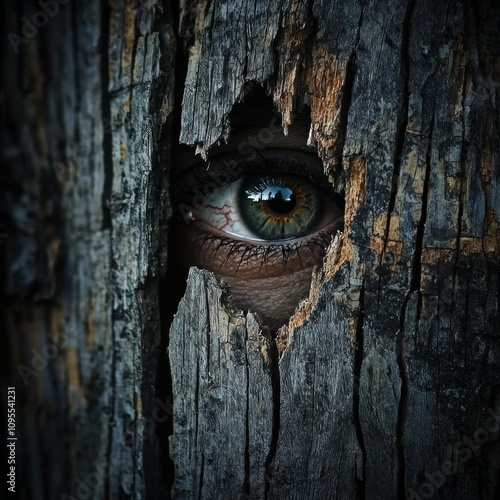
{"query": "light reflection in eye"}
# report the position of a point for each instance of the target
(272, 193)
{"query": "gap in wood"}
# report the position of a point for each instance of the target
(169, 292)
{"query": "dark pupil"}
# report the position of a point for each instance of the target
(280, 200)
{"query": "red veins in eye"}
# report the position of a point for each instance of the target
(223, 217)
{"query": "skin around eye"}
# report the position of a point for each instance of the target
(262, 227)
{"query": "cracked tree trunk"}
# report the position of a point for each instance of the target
(86, 95)
(386, 384)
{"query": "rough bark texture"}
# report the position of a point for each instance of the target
(383, 384)
(393, 367)
(85, 101)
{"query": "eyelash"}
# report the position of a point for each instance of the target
(321, 240)
(262, 164)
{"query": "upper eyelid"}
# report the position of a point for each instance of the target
(242, 134)
(225, 168)
(268, 160)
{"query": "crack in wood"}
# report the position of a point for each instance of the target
(403, 117)
(202, 474)
(419, 240)
(400, 337)
(403, 399)
(107, 147)
(350, 77)
(246, 483)
(358, 362)
(275, 430)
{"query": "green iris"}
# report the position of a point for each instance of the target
(279, 206)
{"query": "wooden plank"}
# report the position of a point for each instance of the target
(318, 455)
(395, 115)
(223, 400)
(91, 260)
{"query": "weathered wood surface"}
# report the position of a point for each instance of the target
(387, 380)
(386, 387)
(85, 101)
(221, 371)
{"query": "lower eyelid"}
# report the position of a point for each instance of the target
(207, 229)
(229, 256)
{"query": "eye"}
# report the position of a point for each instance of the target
(267, 207)
(262, 224)
(278, 207)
